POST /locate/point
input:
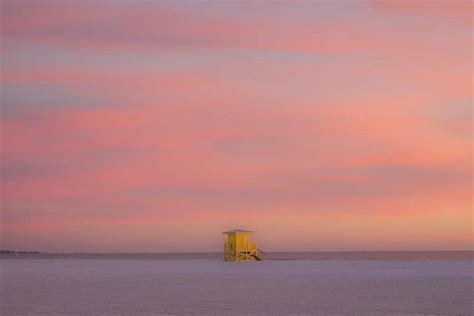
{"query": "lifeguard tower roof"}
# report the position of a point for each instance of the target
(238, 230)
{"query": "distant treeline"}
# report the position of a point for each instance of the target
(14, 252)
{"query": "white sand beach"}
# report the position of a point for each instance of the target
(212, 287)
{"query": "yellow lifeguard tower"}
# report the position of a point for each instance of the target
(239, 247)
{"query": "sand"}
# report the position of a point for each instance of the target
(213, 287)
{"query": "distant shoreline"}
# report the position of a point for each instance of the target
(313, 255)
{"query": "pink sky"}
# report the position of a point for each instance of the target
(152, 126)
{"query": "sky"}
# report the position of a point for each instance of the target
(143, 126)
